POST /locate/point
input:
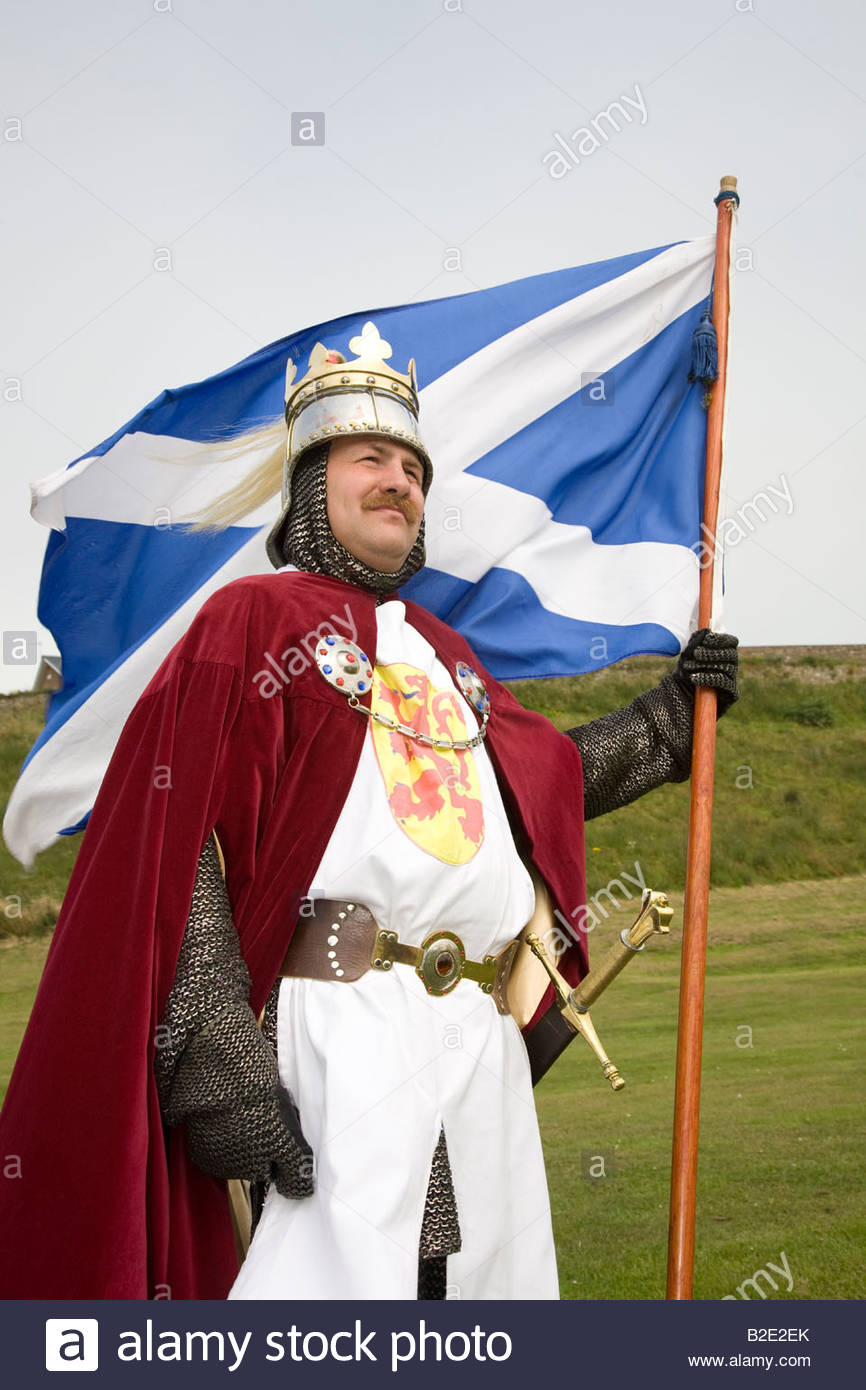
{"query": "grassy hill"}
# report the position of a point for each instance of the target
(790, 797)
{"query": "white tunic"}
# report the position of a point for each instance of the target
(377, 1065)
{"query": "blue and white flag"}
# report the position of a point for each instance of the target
(563, 523)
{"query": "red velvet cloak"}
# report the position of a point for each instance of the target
(104, 1207)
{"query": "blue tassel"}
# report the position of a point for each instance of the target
(705, 353)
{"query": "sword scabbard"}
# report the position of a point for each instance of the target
(653, 919)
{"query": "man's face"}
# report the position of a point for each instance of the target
(375, 499)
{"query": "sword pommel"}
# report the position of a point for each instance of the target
(654, 918)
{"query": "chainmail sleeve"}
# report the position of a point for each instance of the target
(635, 749)
(210, 971)
(215, 1071)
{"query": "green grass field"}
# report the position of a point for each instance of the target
(782, 1132)
(783, 1121)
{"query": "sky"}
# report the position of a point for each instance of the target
(160, 224)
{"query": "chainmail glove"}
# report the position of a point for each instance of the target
(240, 1121)
(710, 659)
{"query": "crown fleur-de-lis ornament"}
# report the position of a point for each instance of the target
(368, 343)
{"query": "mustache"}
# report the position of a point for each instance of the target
(400, 503)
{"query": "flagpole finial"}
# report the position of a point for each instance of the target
(727, 190)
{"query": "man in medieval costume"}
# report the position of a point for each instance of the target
(285, 949)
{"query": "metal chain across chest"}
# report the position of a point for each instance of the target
(347, 668)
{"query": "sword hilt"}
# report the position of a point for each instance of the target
(580, 1021)
(653, 919)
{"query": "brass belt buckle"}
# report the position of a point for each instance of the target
(441, 965)
(440, 962)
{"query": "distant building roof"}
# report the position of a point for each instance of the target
(49, 676)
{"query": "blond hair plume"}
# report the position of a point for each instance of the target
(263, 481)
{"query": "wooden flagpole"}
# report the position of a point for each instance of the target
(684, 1162)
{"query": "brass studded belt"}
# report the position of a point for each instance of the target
(341, 941)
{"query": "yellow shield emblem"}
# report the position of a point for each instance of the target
(434, 793)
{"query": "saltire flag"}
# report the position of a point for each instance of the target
(563, 523)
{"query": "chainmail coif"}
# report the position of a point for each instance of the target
(311, 545)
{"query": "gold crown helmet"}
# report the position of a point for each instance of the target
(336, 398)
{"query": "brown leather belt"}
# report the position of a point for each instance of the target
(341, 941)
